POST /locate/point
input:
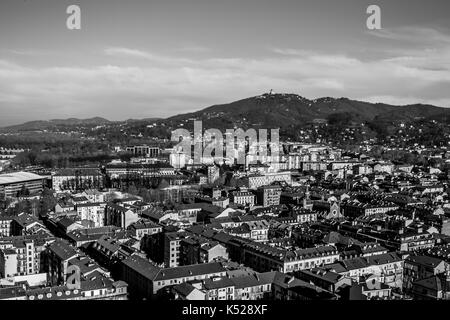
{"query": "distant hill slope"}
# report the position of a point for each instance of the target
(267, 111)
(55, 123)
(285, 110)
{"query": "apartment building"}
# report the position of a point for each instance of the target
(77, 179)
(268, 196)
(243, 198)
(94, 212)
(119, 216)
(145, 279)
(259, 180)
(21, 255)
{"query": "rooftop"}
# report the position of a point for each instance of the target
(18, 177)
(63, 250)
(189, 271)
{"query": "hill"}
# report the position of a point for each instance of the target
(290, 110)
(284, 111)
(54, 124)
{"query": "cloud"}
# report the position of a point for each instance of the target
(128, 53)
(413, 34)
(289, 51)
(31, 53)
(138, 83)
(194, 49)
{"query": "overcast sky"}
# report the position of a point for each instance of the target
(136, 59)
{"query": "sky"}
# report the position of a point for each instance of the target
(145, 58)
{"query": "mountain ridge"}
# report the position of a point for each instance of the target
(285, 110)
(269, 110)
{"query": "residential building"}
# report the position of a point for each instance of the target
(119, 216)
(92, 211)
(268, 195)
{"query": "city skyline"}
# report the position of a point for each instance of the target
(282, 153)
